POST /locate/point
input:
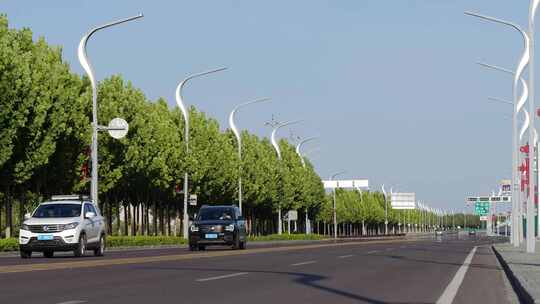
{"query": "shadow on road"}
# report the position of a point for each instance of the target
(306, 279)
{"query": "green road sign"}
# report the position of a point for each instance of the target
(481, 208)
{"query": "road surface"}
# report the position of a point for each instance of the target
(433, 270)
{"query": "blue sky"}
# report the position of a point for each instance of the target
(390, 86)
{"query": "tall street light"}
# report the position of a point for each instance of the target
(239, 140)
(516, 201)
(85, 63)
(523, 62)
(299, 147)
(185, 113)
(531, 240)
(334, 205)
(298, 151)
(385, 211)
(278, 152)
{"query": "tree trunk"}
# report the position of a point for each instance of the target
(168, 220)
(134, 221)
(109, 217)
(126, 215)
(154, 218)
(118, 226)
(9, 215)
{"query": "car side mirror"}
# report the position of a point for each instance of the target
(27, 216)
(89, 215)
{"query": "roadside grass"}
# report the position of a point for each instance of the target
(12, 244)
(9, 244)
(286, 237)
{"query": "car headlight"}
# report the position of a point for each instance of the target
(229, 227)
(70, 226)
(194, 228)
(25, 227)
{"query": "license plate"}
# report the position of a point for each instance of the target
(45, 237)
(210, 236)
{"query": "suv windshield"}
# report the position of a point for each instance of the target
(212, 214)
(58, 210)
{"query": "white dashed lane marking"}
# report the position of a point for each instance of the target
(304, 263)
(222, 277)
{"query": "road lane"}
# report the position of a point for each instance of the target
(418, 273)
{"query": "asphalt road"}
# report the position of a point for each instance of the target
(443, 270)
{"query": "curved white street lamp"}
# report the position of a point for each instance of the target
(516, 207)
(299, 147)
(85, 63)
(239, 141)
(385, 210)
(278, 152)
(185, 113)
(334, 215)
(523, 62)
(531, 240)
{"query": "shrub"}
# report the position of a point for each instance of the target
(11, 244)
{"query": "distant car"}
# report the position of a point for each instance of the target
(438, 232)
(65, 223)
(218, 225)
(472, 232)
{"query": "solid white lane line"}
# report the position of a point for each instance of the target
(451, 290)
(73, 302)
(222, 277)
(345, 256)
(304, 263)
(372, 251)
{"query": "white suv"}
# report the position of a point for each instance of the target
(66, 223)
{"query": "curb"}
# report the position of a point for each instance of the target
(523, 295)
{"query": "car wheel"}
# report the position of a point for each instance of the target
(26, 254)
(192, 247)
(100, 251)
(202, 247)
(236, 244)
(243, 245)
(81, 247)
(48, 254)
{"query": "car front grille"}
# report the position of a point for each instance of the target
(208, 228)
(57, 241)
(45, 228)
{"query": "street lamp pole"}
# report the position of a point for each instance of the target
(531, 240)
(298, 147)
(239, 140)
(278, 152)
(85, 63)
(524, 61)
(334, 215)
(385, 211)
(185, 113)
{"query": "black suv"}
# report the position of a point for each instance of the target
(218, 225)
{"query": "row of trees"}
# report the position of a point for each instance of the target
(363, 213)
(44, 150)
(45, 137)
